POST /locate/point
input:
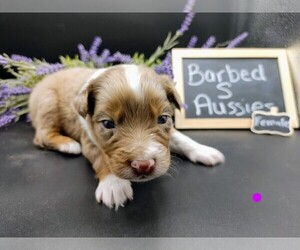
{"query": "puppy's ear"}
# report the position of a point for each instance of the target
(172, 94)
(84, 102)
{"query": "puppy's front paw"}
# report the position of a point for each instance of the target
(72, 147)
(206, 155)
(114, 191)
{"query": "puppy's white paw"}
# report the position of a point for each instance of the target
(114, 191)
(70, 148)
(206, 155)
(194, 151)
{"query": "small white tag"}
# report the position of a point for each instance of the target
(272, 123)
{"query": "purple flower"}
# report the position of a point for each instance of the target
(102, 59)
(6, 118)
(104, 55)
(184, 106)
(19, 90)
(2, 103)
(209, 43)
(189, 6)
(168, 59)
(159, 69)
(19, 58)
(166, 66)
(83, 53)
(3, 60)
(186, 22)
(236, 41)
(192, 42)
(49, 68)
(95, 46)
(163, 70)
(6, 92)
(28, 119)
(169, 71)
(119, 57)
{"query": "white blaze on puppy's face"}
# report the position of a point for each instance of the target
(157, 151)
(129, 102)
(133, 77)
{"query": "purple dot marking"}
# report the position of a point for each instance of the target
(184, 106)
(257, 197)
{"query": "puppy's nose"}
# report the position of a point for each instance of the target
(143, 166)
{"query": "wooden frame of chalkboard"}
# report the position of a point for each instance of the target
(277, 91)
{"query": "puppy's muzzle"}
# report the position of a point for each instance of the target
(143, 167)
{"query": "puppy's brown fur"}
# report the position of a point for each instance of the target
(57, 102)
(69, 110)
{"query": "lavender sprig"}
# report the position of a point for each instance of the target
(238, 40)
(20, 58)
(119, 57)
(7, 118)
(166, 66)
(162, 68)
(27, 71)
(159, 69)
(95, 46)
(103, 58)
(189, 6)
(6, 91)
(49, 68)
(193, 41)
(3, 60)
(168, 70)
(84, 55)
(186, 22)
(171, 41)
(209, 43)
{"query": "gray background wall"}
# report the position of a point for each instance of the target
(49, 35)
(149, 6)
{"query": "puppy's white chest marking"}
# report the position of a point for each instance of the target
(133, 77)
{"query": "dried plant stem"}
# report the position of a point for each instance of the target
(168, 44)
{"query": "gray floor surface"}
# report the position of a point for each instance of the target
(48, 194)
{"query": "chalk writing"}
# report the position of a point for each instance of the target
(198, 77)
(231, 87)
(271, 123)
(283, 122)
(203, 101)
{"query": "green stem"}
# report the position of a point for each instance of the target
(16, 100)
(21, 104)
(161, 50)
(22, 112)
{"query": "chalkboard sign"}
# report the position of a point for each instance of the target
(271, 123)
(221, 88)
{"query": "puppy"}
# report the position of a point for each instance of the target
(120, 118)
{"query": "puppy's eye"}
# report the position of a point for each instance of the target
(108, 124)
(162, 119)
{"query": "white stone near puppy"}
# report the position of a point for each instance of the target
(120, 118)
